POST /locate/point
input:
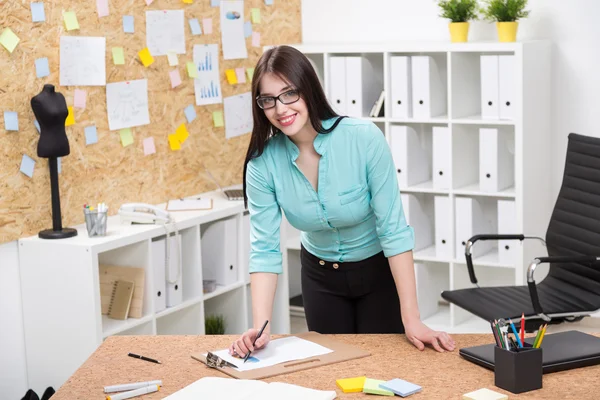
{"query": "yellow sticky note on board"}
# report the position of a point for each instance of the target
(231, 77)
(146, 57)
(255, 15)
(174, 142)
(172, 57)
(118, 56)
(70, 20)
(351, 385)
(188, 1)
(181, 133)
(9, 40)
(126, 137)
(70, 118)
(192, 70)
(218, 119)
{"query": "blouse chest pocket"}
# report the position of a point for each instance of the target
(355, 201)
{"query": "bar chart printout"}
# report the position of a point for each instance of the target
(207, 85)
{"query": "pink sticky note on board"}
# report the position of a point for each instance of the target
(207, 25)
(256, 39)
(175, 78)
(149, 147)
(241, 76)
(80, 98)
(102, 6)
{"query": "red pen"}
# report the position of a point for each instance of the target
(523, 328)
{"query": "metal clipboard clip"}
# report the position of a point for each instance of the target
(215, 361)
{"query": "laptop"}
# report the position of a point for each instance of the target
(231, 194)
(560, 351)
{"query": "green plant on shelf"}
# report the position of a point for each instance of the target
(459, 10)
(214, 325)
(505, 10)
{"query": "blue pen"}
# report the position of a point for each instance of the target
(512, 326)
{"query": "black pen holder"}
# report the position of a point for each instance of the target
(518, 370)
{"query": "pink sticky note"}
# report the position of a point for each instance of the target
(175, 78)
(148, 2)
(241, 75)
(207, 23)
(102, 6)
(80, 98)
(256, 39)
(149, 147)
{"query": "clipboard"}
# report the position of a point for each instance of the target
(341, 352)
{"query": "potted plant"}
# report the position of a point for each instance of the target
(459, 12)
(506, 13)
(214, 325)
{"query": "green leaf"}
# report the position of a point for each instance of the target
(505, 10)
(459, 10)
(214, 325)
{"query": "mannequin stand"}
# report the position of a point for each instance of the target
(57, 231)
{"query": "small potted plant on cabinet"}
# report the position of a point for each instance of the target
(214, 325)
(506, 13)
(459, 12)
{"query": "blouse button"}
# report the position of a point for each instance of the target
(322, 262)
(336, 266)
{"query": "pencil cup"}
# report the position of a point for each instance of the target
(518, 370)
(95, 222)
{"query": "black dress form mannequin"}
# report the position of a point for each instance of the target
(50, 110)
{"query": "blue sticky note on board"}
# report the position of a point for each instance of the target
(128, 24)
(190, 113)
(215, 3)
(37, 126)
(27, 165)
(41, 67)
(269, 2)
(400, 387)
(37, 12)
(247, 29)
(59, 164)
(91, 135)
(11, 121)
(195, 26)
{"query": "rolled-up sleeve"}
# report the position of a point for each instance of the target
(265, 220)
(395, 235)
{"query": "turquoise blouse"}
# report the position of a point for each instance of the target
(356, 211)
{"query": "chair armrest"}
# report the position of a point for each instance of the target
(475, 238)
(535, 300)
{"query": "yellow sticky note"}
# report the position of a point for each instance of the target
(126, 137)
(174, 142)
(70, 118)
(351, 385)
(172, 57)
(146, 57)
(250, 73)
(70, 20)
(231, 76)
(218, 119)
(118, 56)
(255, 15)
(188, 1)
(9, 40)
(192, 70)
(181, 133)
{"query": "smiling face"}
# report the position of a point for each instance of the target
(288, 118)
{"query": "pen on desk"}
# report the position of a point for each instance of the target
(256, 338)
(130, 386)
(133, 393)
(143, 358)
(512, 326)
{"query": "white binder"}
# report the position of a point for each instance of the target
(354, 86)
(428, 94)
(174, 274)
(158, 274)
(489, 87)
(417, 217)
(337, 84)
(470, 221)
(442, 147)
(507, 86)
(410, 157)
(496, 162)
(443, 227)
(401, 102)
(427, 297)
(508, 250)
(219, 251)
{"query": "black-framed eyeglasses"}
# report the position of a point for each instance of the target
(289, 97)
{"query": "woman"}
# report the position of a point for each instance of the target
(335, 179)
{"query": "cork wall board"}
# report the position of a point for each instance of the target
(108, 171)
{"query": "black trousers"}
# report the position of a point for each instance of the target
(350, 297)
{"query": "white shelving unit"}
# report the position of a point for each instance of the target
(61, 288)
(519, 91)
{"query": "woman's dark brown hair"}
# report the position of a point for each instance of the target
(292, 66)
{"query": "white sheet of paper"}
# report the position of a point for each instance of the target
(82, 61)
(207, 85)
(189, 204)
(232, 30)
(165, 31)
(276, 352)
(238, 115)
(127, 104)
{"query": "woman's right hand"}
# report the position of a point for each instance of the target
(240, 347)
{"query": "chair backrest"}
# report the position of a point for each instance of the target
(574, 227)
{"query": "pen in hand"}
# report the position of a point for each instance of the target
(256, 338)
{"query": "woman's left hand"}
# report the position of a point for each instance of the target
(420, 335)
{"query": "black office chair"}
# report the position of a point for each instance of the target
(571, 290)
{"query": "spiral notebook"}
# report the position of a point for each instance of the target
(120, 299)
